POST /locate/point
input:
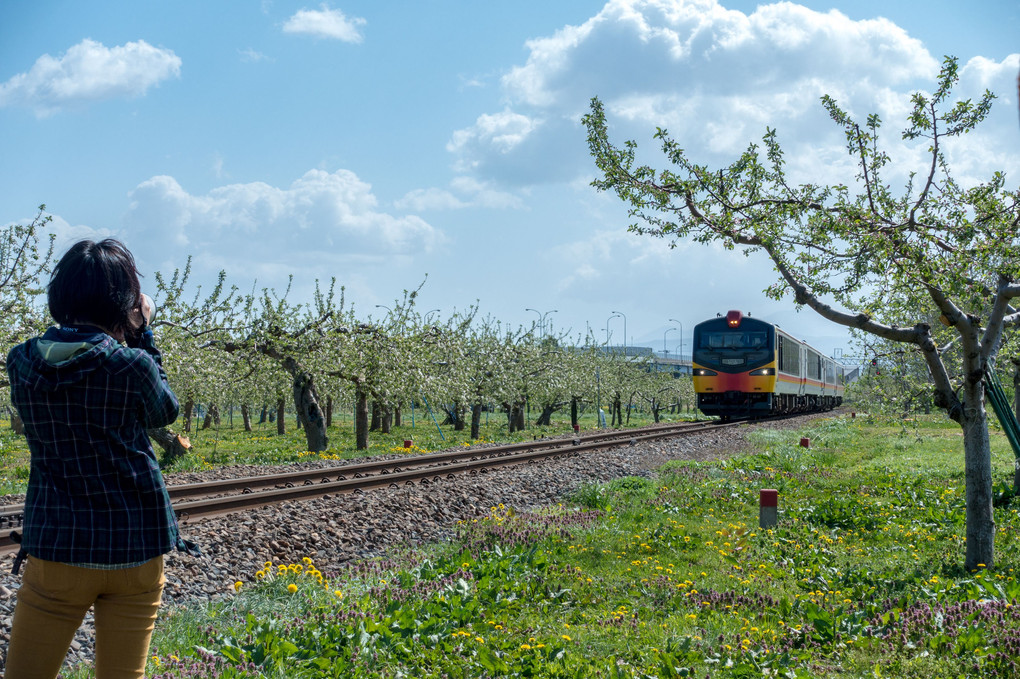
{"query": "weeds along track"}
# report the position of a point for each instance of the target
(195, 501)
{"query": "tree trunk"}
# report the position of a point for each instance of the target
(396, 415)
(376, 417)
(309, 414)
(246, 416)
(978, 471)
(281, 424)
(476, 420)
(573, 413)
(264, 415)
(514, 417)
(451, 415)
(545, 419)
(329, 412)
(629, 404)
(174, 446)
(458, 423)
(215, 410)
(189, 409)
(207, 422)
(521, 425)
(17, 425)
(386, 419)
(361, 419)
(1016, 388)
(656, 409)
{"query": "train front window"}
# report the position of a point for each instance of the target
(731, 350)
(715, 341)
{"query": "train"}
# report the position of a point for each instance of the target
(744, 367)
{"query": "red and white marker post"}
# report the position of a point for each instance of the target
(768, 513)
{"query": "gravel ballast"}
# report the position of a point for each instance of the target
(335, 530)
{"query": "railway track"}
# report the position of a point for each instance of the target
(196, 501)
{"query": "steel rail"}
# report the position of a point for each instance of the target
(196, 509)
(432, 468)
(10, 514)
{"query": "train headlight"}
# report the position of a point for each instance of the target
(701, 372)
(761, 372)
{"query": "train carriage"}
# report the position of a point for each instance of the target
(745, 367)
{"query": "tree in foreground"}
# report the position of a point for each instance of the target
(841, 249)
(24, 263)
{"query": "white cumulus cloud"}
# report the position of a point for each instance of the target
(325, 23)
(714, 77)
(90, 71)
(464, 192)
(321, 218)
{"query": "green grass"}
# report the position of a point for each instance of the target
(660, 578)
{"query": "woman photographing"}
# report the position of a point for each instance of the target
(98, 519)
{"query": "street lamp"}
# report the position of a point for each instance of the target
(680, 355)
(664, 349)
(554, 311)
(624, 331)
(615, 315)
(541, 319)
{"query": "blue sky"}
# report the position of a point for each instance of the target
(383, 142)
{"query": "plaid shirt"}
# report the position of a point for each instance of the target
(95, 492)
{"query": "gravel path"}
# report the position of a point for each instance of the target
(336, 529)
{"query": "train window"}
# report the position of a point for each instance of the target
(814, 366)
(789, 356)
(734, 340)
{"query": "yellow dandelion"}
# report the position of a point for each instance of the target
(238, 585)
(565, 637)
(292, 588)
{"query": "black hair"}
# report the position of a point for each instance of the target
(95, 283)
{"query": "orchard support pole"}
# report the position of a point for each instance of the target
(425, 401)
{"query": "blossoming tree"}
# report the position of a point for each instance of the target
(956, 247)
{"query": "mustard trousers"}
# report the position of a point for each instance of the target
(52, 602)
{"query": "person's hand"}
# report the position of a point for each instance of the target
(140, 315)
(147, 309)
